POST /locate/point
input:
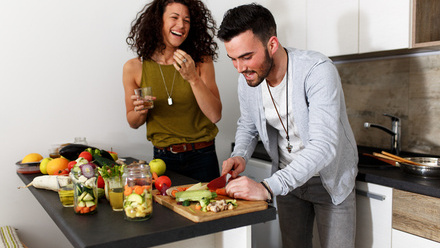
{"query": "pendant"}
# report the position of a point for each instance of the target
(170, 101)
(289, 147)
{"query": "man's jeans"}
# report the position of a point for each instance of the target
(297, 211)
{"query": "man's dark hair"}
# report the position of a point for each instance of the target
(248, 17)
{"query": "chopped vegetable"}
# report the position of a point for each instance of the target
(87, 170)
(221, 191)
(198, 206)
(194, 195)
(198, 186)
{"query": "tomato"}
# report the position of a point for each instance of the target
(100, 182)
(160, 181)
(62, 172)
(71, 164)
(87, 155)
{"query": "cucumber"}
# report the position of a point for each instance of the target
(88, 197)
(194, 195)
(135, 198)
(81, 204)
(90, 203)
(81, 197)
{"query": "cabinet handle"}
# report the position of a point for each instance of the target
(370, 195)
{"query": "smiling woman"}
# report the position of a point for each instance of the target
(174, 41)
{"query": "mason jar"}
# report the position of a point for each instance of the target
(85, 193)
(138, 199)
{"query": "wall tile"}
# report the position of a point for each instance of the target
(406, 87)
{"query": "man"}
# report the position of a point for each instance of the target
(293, 101)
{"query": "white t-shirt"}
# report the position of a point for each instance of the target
(279, 97)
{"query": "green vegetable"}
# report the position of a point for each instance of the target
(194, 195)
(186, 203)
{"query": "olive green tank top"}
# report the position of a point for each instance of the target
(181, 122)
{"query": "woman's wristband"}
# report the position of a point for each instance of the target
(270, 199)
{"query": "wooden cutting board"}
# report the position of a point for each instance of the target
(199, 216)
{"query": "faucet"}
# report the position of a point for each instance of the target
(394, 132)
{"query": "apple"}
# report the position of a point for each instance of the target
(43, 165)
(158, 165)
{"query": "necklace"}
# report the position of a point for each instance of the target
(288, 147)
(170, 100)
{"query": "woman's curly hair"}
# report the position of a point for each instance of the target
(144, 39)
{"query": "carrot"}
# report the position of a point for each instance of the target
(198, 206)
(173, 193)
(85, 210)
(182, 188)
(92, 208)
(221, 191)
(146, 187)
(155, 176)
(128, 191)
(78, 209)
(138, 190)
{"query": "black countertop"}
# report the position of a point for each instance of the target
(108, 228)
(374, 171)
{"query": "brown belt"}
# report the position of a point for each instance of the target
(186, 147)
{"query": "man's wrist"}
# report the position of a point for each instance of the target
(269, 191)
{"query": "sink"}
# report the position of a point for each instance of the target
(367, 161)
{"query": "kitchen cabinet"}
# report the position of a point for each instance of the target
(406, 240)
(384, 25)
(426, 19)
(333, 26)
(343, 27)
(416, 215)
(373, 215)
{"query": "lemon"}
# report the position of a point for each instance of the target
(32, 157)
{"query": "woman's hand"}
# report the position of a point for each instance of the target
(139, 104)
(185, 65)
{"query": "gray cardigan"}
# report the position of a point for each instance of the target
(318, 106)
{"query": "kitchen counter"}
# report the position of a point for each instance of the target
(109, 229)
(375, 171)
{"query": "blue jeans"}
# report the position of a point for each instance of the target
(298, 209)
(201, 165)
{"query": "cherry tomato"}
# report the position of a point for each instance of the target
(87, 155)
(71, 164)
(100, 182)
(160, 181)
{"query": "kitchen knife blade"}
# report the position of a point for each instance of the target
(219, 182)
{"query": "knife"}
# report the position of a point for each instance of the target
(219, 182)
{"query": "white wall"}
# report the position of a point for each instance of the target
(60, 71)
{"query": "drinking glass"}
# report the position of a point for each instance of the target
(145, 94)
(65, 190)
(116, 193)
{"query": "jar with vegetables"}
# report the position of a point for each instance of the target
(138, 198)
(84, 178)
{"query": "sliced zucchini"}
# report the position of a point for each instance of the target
(135, 198)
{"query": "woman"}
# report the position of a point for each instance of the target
(174, 43)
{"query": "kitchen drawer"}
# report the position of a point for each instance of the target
(416, 214)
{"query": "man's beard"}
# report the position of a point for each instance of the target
(266, 68)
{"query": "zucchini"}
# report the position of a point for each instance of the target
(194, 195)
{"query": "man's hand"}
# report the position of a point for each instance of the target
(246, 188)
(235, 165)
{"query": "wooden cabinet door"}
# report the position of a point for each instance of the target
(384, 25)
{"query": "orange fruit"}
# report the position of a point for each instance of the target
(56, 165)
(32, 157)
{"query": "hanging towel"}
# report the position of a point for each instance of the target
(9, 238)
